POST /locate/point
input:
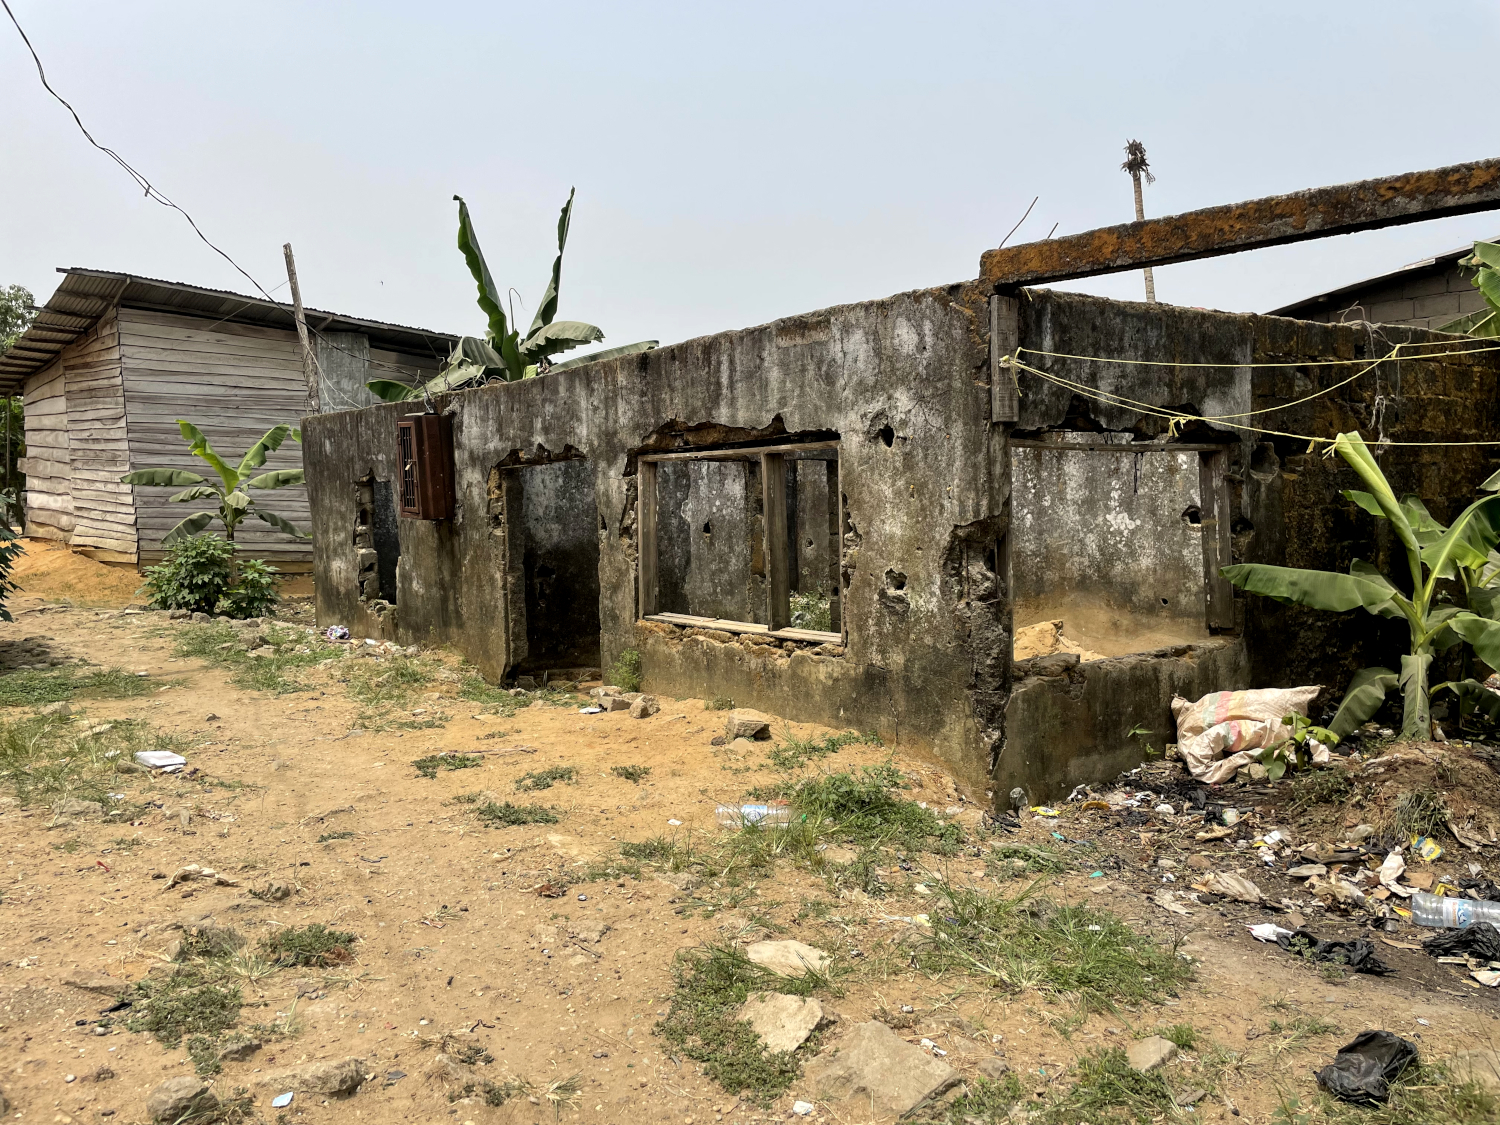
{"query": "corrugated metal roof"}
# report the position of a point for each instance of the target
(84, 295)
(1317, 300)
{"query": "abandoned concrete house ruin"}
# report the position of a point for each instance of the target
(844, 517)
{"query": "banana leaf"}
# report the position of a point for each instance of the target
(614, 353)
(1482, 634)
(198, 446)
(1473, 696)
(167, 478)
(1352, 448)
(276, 478)
(1416, 718)
(489, 296)
(188, 528)
(559, 336)
(197, 492)
(256, 456)
(388, 390)
(1454, 547)
(280, 523)
(1319, 589)
(1482, 324)
(1485, 601)
(548, 308)
(1367, 691)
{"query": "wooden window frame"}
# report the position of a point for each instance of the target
(1213, 508)
(773, 460)
(424, 458)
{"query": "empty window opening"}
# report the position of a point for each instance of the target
(377, 542)
(1115, 549)
(548, 521)
(768, 553)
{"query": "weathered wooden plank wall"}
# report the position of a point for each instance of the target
(234, 382)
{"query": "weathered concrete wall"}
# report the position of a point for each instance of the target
(707, 524)
(1109, 543)
(560, 564)
(1069, 722)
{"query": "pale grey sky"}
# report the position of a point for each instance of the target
(734, 163)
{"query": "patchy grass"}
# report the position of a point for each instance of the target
(659, 850)
(1009, 861)
(636, 774)
(505, 814)
(1022, 943)
(1182, 1035)
(194, 1000)
(329, 837)
(793, 751)
(982, 1102)
(625, 672)
(428, 767)
(314, 945)
(33, 689)
(223, 644)
(719, 703)
(1427, 1094)
(205, 1055)
(476, 689)
(1106, 1091)
(388, 684)
(1319, 787)
(860, 874)
(47, 758)
(711, 983)
(1419, 812)
(537, 780)
(863, 809)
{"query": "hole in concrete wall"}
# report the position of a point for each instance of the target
(1109, 544)
(887, 436)
(377, 541)
(708, 528)
(553, 551)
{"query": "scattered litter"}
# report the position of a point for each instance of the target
(1217, 832)
(1391, 871)
(591, 710)
(1230, 817)
(550, 890)
(1362, 1071)
(675, 823)
(1307, 870)
(1234, 723)
(193, 871)
(1167, 900)
(1487, 977)
(285, 1099)
(929, 1045)
(777, 813)
(1235, 886)
(1426, 847)
(802, 1109)
(1096, 874)
(1269, 931)
(333, 633)
(1358, 955)
(1165, 809)
(1449, 912)
(1043, 810)
(163, 760)
(1480, 940)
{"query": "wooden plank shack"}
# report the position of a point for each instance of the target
(114, 361)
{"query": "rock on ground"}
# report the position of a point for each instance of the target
(744, 723)
(336, 1078)
(879, 1071)
(1150, 1053)
(993, 1067)
(239, 1050)
(783, 1022)
(788, 958)
(644, 707)
(179, 1096)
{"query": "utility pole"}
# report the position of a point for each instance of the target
(1135, 164)
(309, 361)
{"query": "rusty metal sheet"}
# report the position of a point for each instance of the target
(1317, 213)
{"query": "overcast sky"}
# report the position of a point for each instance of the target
(734, 163)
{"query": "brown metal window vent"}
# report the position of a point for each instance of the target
(425, 445)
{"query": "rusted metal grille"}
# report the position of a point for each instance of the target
(406, 435)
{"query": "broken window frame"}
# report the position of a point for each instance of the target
(776, 540)
(1213, 506)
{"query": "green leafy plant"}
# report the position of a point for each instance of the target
(10, 551)
(428, 767)
(1433, 553)
(504, 354)
(199, 573)
(229, 490)
(544, 779)
(1485, 323)
(636, 774)
(625, 672)
(311, 945)
(1296, 751)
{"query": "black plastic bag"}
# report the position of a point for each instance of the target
(1358, 954)
(1363, 1071)
(1480, 939)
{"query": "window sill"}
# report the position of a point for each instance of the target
(810, 636)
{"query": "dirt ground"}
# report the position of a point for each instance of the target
(458, 949)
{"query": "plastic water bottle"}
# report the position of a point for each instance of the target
(1441, 912)
(740, 816)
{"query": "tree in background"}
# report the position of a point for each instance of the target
(16, 313)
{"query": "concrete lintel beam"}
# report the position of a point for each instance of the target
(1459, 189)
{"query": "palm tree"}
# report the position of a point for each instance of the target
(1135, 164)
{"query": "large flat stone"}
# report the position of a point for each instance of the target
(1150, 1053)
(788, 958)
(179, 1096)
(744, 723)
(337, 1078)
(878, 1072)
(783, 1022)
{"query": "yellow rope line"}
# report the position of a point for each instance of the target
(1301, 363)
(1176, 418)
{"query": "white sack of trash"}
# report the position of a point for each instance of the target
(1217, 734)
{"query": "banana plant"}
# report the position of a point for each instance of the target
(1485, 322)
(504, 353)
(229, 490)
(1434, 553)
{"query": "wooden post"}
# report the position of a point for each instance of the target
(1213, 508)
(309, 361)
(1005, 337)
(645, 534)
(778, 574)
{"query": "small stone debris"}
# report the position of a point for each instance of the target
(993, 1067)
(208, 874)
(336, 1079)
(879, 1071)
(591, 930)
(744, 723)
(72, 806)
(178, 1097)
(61, 709)
(788, 958)
(644, 707)
(783, 1022)
(1149, 1054)
(239, 1051)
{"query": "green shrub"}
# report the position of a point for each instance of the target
(194, 575)
(10, 550)
(309, 945)
(625, 672)
(254, 592)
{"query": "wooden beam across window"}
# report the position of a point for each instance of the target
(645, 519)
(778, 558)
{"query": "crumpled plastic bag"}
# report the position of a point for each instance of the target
(1234, 722)
(1358, 955)
(1363, 1071)
(1478, 939)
